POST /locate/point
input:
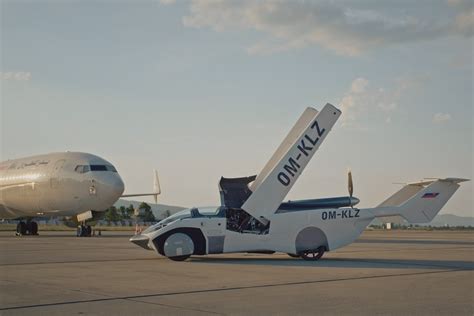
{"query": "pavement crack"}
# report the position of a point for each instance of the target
(174, 306)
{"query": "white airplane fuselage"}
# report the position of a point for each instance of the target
(57, 184)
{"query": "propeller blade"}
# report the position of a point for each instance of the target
(350, 185)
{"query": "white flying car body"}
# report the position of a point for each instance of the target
(253, 217)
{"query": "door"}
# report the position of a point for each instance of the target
(214, 230)
(54, 180)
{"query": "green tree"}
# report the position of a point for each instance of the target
(130, 210)
(125, 212)
(112, 215)
(147, 214)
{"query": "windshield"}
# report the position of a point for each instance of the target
(187, 213)
(209, 211)
(180, 215)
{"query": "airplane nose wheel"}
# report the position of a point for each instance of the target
(313, 254)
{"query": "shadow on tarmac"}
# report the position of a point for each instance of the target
(414, 241)
(341, 263)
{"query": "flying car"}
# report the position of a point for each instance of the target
(253, 218)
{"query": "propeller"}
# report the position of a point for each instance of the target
(350, 185)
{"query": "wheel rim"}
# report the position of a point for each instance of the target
(314, 254)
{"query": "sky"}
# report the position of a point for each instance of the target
(204, 89)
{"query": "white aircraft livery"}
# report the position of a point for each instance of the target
(253, 218)
(58, 184)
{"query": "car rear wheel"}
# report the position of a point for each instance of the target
(313, 254)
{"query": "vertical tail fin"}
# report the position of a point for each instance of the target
(423, 202)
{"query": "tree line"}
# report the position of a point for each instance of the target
(114, 214)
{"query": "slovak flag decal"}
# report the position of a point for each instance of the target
(429, 195)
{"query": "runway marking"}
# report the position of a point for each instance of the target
(237, 288)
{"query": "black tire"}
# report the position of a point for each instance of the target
(314, 254)
(34, 228)
(21, 228)
(179, 258)
(292, 255)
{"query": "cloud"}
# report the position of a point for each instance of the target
(441, 117)
(362, 100)
(345, 27)
(15, 76)
(167, 2)
(465, 22)
(359, 85)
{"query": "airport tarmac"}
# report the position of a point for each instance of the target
(384, 272)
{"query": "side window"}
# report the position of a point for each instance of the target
(111, 168)
(82, 169)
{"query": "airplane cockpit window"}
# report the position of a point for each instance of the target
(103, 168)
(87, 168)
(98, 168)
(111, 168)
(82, 169)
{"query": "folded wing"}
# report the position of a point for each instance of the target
(288, 162)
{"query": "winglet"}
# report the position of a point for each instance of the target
(156, 188)
(156, 185)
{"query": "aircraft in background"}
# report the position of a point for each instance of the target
(59, 184)
(252, 217)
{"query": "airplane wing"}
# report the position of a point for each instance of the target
(156, 189)
(287, 163)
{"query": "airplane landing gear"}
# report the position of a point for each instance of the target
(313, 254)
(84, 230)
(28, 228)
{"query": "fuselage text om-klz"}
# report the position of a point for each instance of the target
(349, 213)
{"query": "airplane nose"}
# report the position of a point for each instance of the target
(112, 186)
(118, 186)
